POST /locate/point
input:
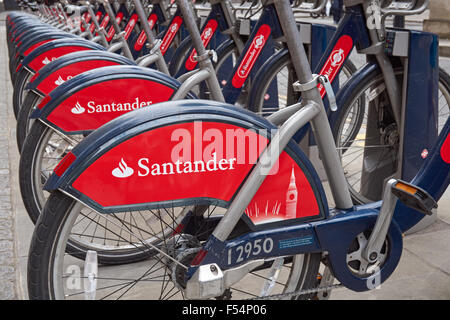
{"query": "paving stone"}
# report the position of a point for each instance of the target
(5, 202)
(6, 245)
(7, 273)
(7, 290)
(6, 228)
(4, 180)
(5, 191)
(4, 163)
(5, 213)
(7, 258)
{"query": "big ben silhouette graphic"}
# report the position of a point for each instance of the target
(291, 198)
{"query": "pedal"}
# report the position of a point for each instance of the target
(414, 197)
(409, 194)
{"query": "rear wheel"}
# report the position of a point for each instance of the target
(43, 150)
(51, 267)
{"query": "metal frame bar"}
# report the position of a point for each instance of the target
(311, 110)
(206, 64)
(118, 33)
(103, 40)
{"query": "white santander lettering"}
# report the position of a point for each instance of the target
(92, 107)
(141, 165)
(147, 168)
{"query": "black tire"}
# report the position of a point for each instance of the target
(48, 239)
(41, 243)
(14, 66)
(41, 247)
(19, 90)
(23, 119)
(13, 63)
(27, 183)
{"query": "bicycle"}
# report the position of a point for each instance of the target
(33, 48)
(356, 99)
(34, 182)
(33, 164)
(68, 66)
(208, 254)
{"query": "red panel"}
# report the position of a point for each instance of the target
(142, 36)
(105, 21)
(445, 150)
(98, 16)
(111, 31)
(64, 164)
(334, 63)
(65, 73)
(87, 17)
(130, 25)
(97, 104)
(196, 160)
(128, 174)
(251, 56)
(206, 36)
(34, 77)
(53, 54)
(170, 34)
(43, 102)
(286, 195)
(34, 46)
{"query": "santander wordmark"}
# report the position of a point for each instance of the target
(93, 107)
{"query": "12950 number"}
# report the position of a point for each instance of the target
(251, 248)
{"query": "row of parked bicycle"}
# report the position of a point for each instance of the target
(172, 150)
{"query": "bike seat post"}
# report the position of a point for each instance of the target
(322, 132)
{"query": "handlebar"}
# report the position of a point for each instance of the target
(403, 7)
(309, 6)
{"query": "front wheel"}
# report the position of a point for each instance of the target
(367, 136)
(54, 274)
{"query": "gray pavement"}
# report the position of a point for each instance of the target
(8, 256)
(423, 272)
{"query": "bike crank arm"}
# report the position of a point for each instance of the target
(410, 195)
